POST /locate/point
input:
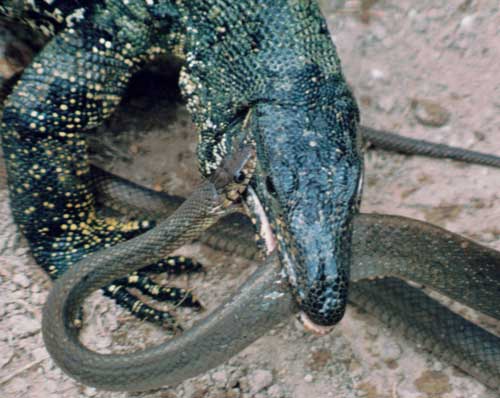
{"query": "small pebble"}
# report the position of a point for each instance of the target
(220, 378)
(36, 288)
(260, 379)
(275, 391)
(377, 74)
(429, 113)
(234, 378)
(244, 384)
(39, 298)
(21, 280)
(90, 391)
(433, 383)
(386, 103)
(234, 393)
(103, 342)
(308, 378)
(437, 366)
(390, 351)
(21, 251)
(372, 331)
(467, 22)
(193, 389)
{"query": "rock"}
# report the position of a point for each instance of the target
(36, 288)
(21, 280)
(244, 384)
(433, 383)
(234, 393)
(275, 391)
(259, 379)
(90, 391)
(386, 103)
(308, 378)
(437, 366)
(19, 297)
(372, 331)
(366, 389)
(23, 326)
(468, 23)
(103, 342)
(234, 378)
(390, 351)
(21, 251)
(39, 298)
(429, 113)
(193, 389)
(220, 378)
(377, 74)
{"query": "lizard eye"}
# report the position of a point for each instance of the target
(239, 177)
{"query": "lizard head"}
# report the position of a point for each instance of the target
(303, 196)
(306, 186)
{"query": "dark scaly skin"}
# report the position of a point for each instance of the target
(269, 65)
(409, 146)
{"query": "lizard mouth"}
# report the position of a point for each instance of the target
(312, 327)
(260, 220)
(265, 232)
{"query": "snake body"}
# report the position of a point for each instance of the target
(383, 247)
(409, 146)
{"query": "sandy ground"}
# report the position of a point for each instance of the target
(428, 69)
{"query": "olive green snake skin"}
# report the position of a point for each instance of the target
(383, 246)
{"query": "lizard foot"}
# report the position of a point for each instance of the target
(175, 265)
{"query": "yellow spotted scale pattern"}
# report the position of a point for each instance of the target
(72, 86)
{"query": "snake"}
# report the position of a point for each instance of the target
(388, 251)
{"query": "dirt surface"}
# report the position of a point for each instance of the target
(427, 69)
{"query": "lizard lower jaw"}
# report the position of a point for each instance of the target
(312, 327)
